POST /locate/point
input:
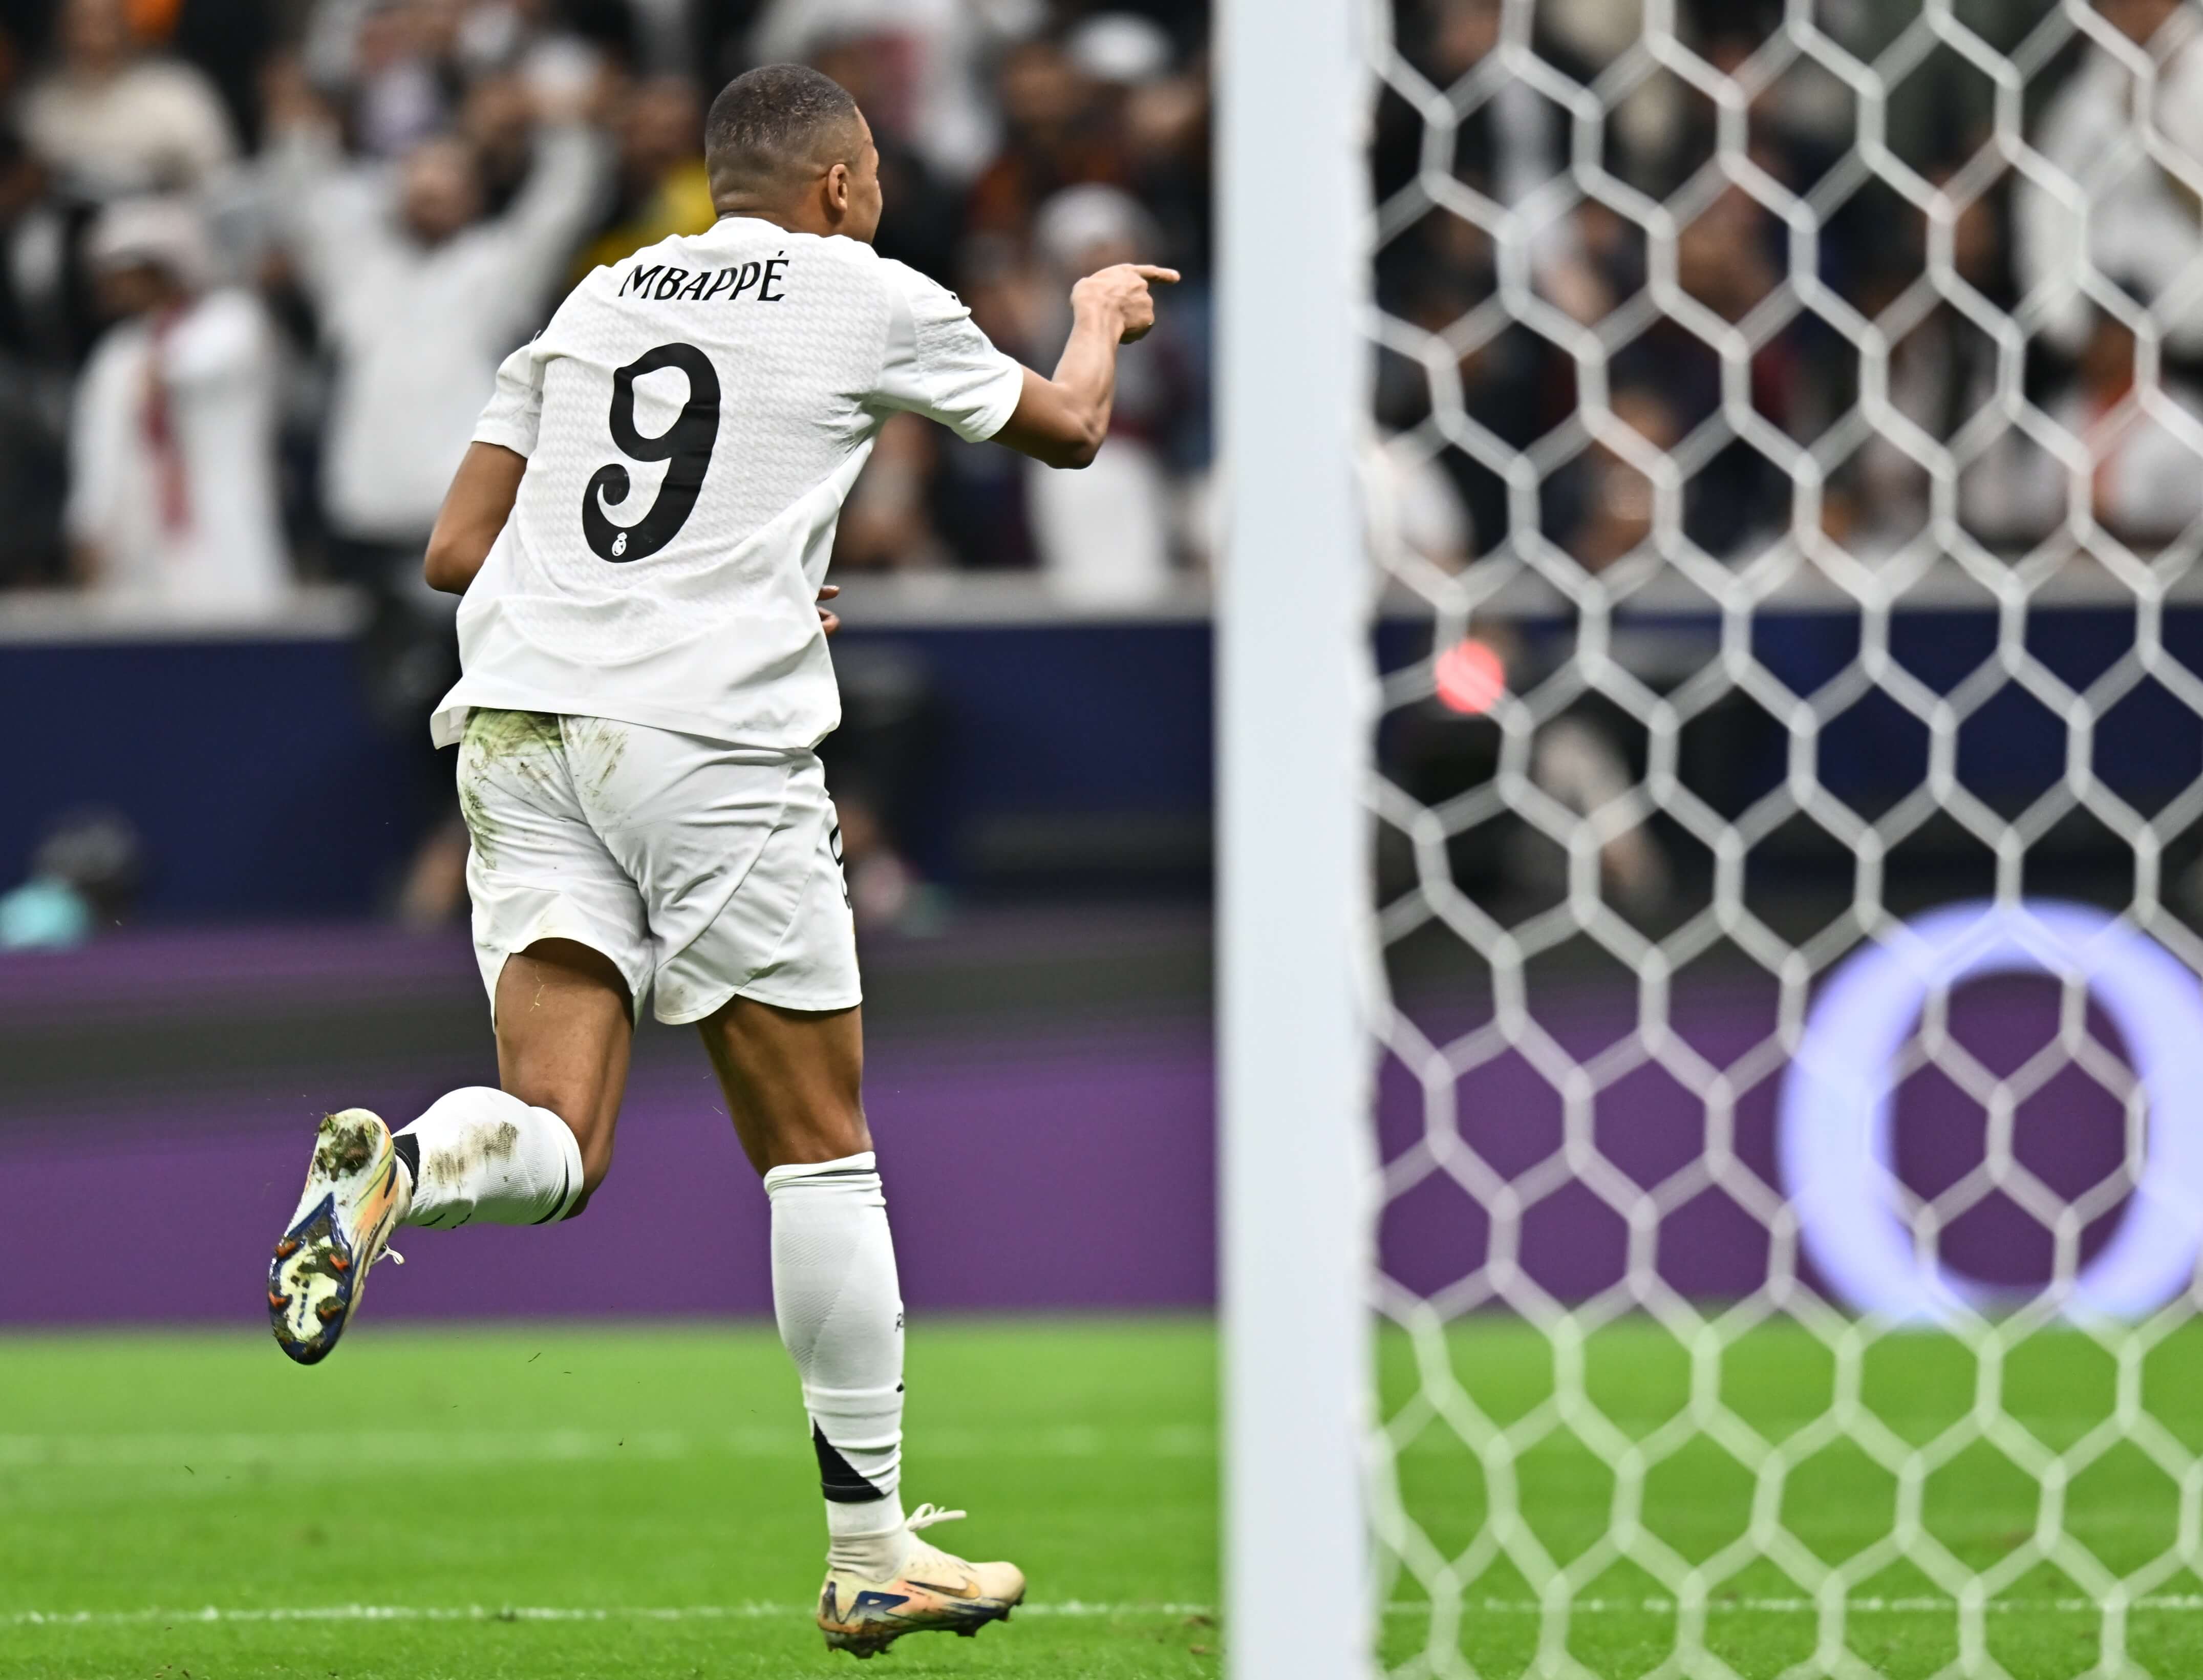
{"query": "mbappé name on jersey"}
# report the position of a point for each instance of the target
(693, 418)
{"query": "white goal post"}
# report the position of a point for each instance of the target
(1292, 676)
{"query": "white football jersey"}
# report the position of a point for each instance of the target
(693, 418)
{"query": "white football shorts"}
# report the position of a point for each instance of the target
(704, 871)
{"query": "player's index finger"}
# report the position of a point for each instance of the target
(1149, 271)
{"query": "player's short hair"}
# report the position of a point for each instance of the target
(768, 125)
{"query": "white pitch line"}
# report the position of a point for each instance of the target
(2183, 1603)
(2175, 1604)
(477, 1612)
(338, 1451)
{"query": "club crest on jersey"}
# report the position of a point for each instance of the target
(619, 545)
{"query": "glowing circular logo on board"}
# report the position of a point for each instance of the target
(1835, 1138)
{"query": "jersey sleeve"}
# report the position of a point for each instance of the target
(938, 363)
(516, 405)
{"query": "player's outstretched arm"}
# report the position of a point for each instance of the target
(1062, 421)
(475, 511)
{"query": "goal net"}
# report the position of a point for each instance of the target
(1786, 480)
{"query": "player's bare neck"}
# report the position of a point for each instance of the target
(779, 215)
(805, 215)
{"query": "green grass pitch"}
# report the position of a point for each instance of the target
(539, 1501)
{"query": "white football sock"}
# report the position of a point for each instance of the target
(840, 1309)
(484, 1155)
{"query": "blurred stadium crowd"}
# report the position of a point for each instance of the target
(260, 257)
(259, 260)
(1802, 295)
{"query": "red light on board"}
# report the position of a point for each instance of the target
(1471, 678)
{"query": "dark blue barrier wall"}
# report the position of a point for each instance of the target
(250, 767)
(2147, 740)
(1052, 721)
(262, 788)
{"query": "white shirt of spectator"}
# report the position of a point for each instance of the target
(2147, 484)
(418, 331)
(2139, 219)
(153, 125)
(694, 417)
(214, 369)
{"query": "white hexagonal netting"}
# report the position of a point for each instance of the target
(1786, 486)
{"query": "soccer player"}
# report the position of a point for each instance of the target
(641, 527)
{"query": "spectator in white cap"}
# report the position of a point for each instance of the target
(172, 472)
(1121, 48)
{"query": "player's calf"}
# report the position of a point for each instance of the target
(840, 1312)
(477, 1155)
(481, 1156)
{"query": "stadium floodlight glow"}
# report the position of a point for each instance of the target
(1836, 1122)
